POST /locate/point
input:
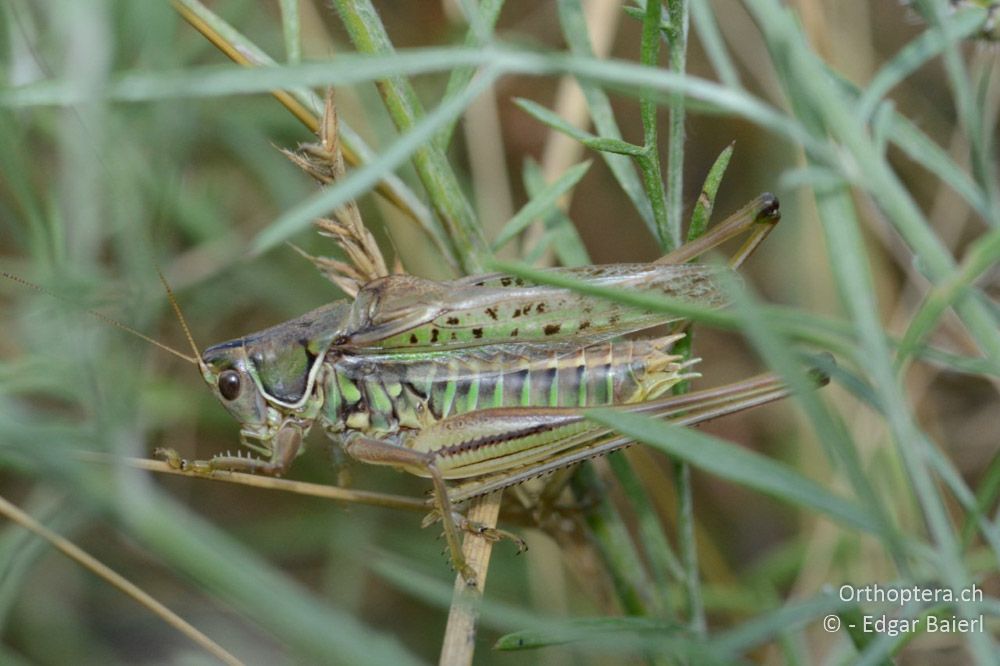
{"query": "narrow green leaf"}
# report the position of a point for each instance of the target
(706, 200)
(559, 229)
(615, 146)
(553, 120)
(588, 630)
(361, 180)
(911, 57)
(540, 205)
(771, 624)
(575, 32)
(736, 464)
(556, 122)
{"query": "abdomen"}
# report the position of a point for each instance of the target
(382, 393)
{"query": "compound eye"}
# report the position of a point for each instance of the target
(229, 384)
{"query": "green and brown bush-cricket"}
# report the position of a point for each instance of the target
(478, 383)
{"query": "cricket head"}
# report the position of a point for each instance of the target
(266, 378)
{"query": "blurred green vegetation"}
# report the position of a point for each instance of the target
(127, 144)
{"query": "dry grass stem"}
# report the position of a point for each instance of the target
(459, 643)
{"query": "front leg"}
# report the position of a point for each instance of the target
(285, 446)
(378, 452)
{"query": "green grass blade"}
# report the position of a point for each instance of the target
(913, 56)
(706, 201)
(738, 465)
(569, 247)
(540, 205)
(361, 180)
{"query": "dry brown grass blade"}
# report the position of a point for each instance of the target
(95, 566)
(320, 490)
(459, 644)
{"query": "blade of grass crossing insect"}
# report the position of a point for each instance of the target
(369, 36)
(834, 437)
(851, 272)
(736, 464)
(831, 334)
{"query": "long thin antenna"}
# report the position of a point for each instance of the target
(180, 316)
(106, 319)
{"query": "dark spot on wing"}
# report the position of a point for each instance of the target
(413, 338)
(585, 324)
(614, 320)
(519, 282)
(452, 321)
(552, 329)
(477, 332)
(540, 308)
(492, 313)
(434, 335)
(517, 313)
(505, 281)
(513, 333)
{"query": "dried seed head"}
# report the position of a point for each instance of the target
(324, 161)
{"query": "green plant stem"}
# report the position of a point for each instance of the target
(663, 564)
(369, 37)
(649, 162)
(679, 21)
(291, 25)
(628, 574)
(689, 548)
